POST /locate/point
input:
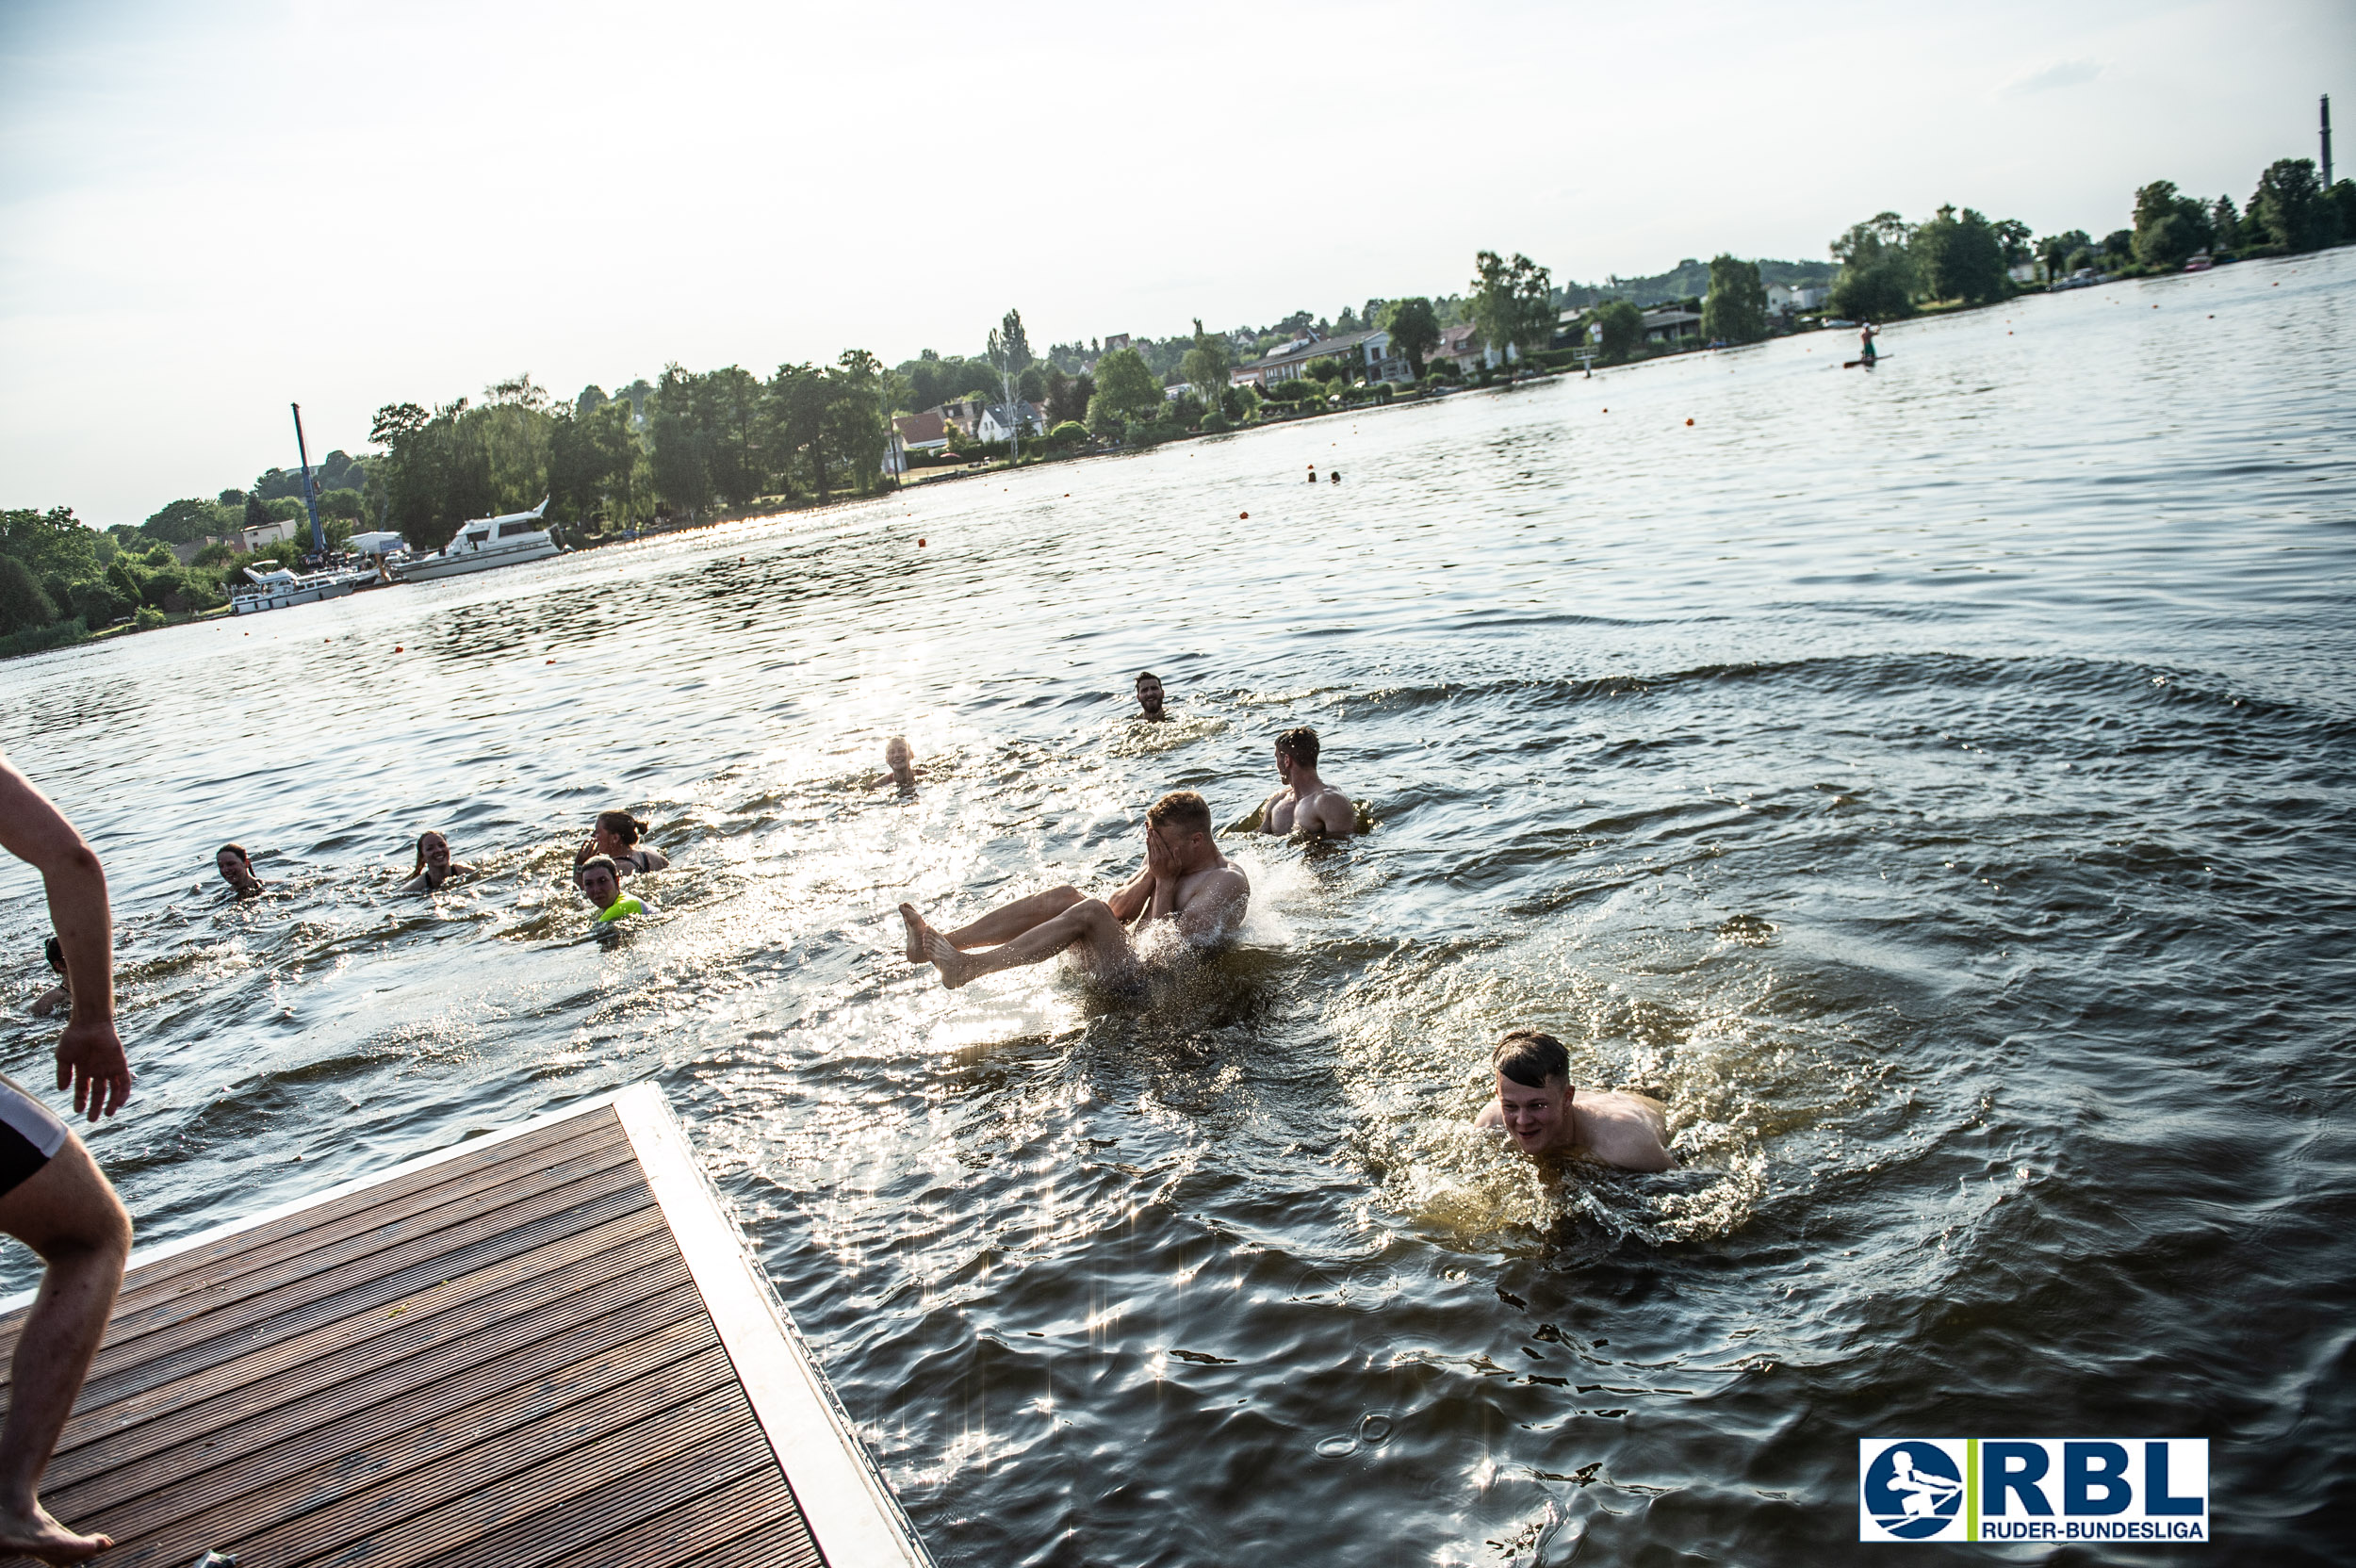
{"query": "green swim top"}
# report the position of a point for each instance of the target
(622, 906)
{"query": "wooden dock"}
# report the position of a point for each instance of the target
(545, 1348)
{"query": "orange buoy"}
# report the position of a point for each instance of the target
(1689, 421)
(920, 544)
(1244, 517)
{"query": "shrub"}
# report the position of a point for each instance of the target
(148, 618)
(1215, 423)
(1385, 392)
(1153, 432)
(214, 555)
(95, 604)
(1070, 433)
(23, 605)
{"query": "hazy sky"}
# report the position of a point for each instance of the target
(211, 210)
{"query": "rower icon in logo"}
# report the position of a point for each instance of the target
(1912, 1489)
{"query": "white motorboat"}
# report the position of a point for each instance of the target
(277, 590)
(481, 545)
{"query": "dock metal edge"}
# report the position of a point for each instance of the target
(850, 1508)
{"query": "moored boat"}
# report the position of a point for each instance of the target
(277, 590)
(482, 544)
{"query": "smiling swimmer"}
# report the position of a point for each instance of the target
(1534, 1107)
(602, 883)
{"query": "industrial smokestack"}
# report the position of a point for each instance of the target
(2327, 141)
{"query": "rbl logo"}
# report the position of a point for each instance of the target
(2032, 1489)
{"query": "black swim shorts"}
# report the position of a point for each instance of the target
(30, 1133)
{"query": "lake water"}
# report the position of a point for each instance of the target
(1935, 784)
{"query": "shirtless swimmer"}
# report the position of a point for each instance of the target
(1186, 881)
(1539, 1110)
(1305, 804)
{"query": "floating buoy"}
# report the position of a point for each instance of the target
(396, 650)
(920, 544)
(1607, 411)
(1689, 421)
(1243, 516)
(551, 660)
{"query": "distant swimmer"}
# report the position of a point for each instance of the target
(1149, 698)
(236, 869)
(60, 994)
(1307, 804)
(1186, 881)
(435, 867)
(1335, 475)
(616, 837)
(601, 883)
(899, 764)
(1537, 1108)
(1866, 353)
(1313, 473)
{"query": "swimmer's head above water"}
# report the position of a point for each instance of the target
(236, 869)
(600, 881)
(900, 761)
(1534, 1091)
(1150, 697)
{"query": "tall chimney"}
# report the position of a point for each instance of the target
(2327, 141)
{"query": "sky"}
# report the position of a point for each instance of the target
(210, 210)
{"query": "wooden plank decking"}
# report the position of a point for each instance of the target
(542, 1349)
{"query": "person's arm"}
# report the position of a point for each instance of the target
(417, 884)
(1216, 908)
(1492, 1116)
(49, 1000)
(91, 1058)
(1337, 817)
(1130, 901)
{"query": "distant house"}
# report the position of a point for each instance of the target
(1672, 326)
(923, 432)
(1789, 298)
(1460, 346)
(1367, 355)
(255, 535)
(1004, 421)
(1117, 340)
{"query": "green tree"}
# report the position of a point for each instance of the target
(2168, 226)
(52, 543)
(1205, 365)
(185, 522)
(681, 439)
(1619, 328)
(2056, 250)
(1512, 304)
(1126, 389)
(2342, 198)
(1414, 330)
(1736, 308)
(343, 503)
(857, 416)
(23, 607)
(1876, 280)
(1960, 258)
(797, 415)
(2012, 239)
(2288, 207)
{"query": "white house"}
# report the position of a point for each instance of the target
(255, 535)
(1004, 421)
(1364, 355)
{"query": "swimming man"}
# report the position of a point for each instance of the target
(1149, 698)
(1537, 1108)
(53, 1197)
(600, 882)
(1305, 804)
(1186, 881)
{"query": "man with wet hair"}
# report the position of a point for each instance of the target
(1537, 1108)
(1149, 698)
(1186, 881)
(1305, 804)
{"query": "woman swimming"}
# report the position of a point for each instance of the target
(615, 836)
(435, 867)
(236, 869)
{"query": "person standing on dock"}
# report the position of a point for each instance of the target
(53, 1197)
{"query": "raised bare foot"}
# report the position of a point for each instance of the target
(955, 968)
(918, 931)
(37, 1535)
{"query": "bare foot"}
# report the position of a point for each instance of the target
(918, 931)
(955, 968)
(37, 1535)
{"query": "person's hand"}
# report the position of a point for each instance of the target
(1158, 858)
(588, 847)
(92, 1062)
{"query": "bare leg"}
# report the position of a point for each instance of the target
(67, 1213)
(1090, 921)
(1005, 925)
